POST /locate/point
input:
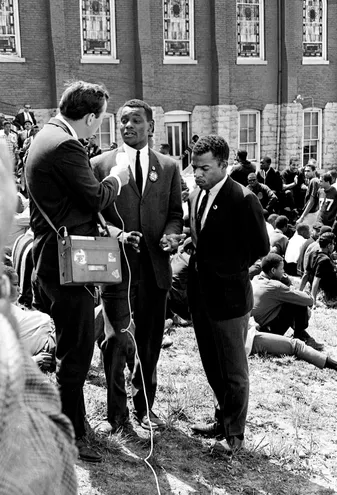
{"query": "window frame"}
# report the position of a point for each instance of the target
(261, 60)
(16, 58)
(101, 59)
(112, 131)
(180, 60)
(257, 131)
(323, 60)
(320, 135)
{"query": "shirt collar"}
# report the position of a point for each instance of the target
(132, 151)
(215, 189)
(71, 129)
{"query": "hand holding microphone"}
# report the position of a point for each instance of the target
(131, 238)
(122, 169)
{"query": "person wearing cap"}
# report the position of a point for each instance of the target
(24, 114)
(321, 271)
(267, 197)
(278, 305)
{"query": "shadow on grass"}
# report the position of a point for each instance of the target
(184, 465)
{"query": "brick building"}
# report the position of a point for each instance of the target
(262, 73)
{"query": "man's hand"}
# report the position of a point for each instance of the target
(170, 242)
(43, 359)
(184, 195)
(122, 171)
(131, 239)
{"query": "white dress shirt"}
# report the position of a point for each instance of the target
(211, 197)
(27, 117)
(144, 161)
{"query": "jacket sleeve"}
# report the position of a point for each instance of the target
(293, 296)
(72, 164)
(257, 235)
(174, 223)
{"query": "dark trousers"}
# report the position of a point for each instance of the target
(222, 351)
(293, 316)
(72, 309)
(148, 305)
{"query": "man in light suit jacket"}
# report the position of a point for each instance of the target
(151, 209)
(61, 183)
(229, 234)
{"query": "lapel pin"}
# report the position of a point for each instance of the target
(153, 176)
(215, 207)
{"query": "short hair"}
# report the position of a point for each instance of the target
(272, 260)
(302, 228)
(165, 145)
(310, 165)
(327, 177)
(27, 122)
(242, 154)
(217, 145)
(9, 271)
(195, 138)
(293, 159)
(266, 159)
(113, 145)
(272, 218)
(135, 103)
(325, 239)
(333, 173)
(81, 98)
(281, 222)
(252, 176)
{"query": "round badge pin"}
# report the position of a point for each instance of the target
(215, 207)
(153, 176)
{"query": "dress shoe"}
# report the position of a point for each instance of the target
(212, 430)
(87, 453)
(229, 446)
(151, 421)
(180, 322)
(310, 341)
(166, 342)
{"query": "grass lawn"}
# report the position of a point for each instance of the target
(291, 441)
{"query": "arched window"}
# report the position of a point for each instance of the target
(314, 31)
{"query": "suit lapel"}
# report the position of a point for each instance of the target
(220, 202)
(154, 173)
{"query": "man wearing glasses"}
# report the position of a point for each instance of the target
(25, 114)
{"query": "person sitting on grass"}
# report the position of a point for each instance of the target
(35, 328)
(278, 345)
(294, 247)
(277, 305)
(321, 271)
(278, 239)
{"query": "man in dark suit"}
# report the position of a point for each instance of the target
(151, 209)
(24, 115)
(229, 233)
(61, 182)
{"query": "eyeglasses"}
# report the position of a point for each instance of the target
(28, 107)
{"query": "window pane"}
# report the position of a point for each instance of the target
(311, 136)
(244, 121)
(177, 27)
(96, 30)
(314, 118)
(243, 135)
(312, 28)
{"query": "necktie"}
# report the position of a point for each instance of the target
(139, 173)
(201, 211)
